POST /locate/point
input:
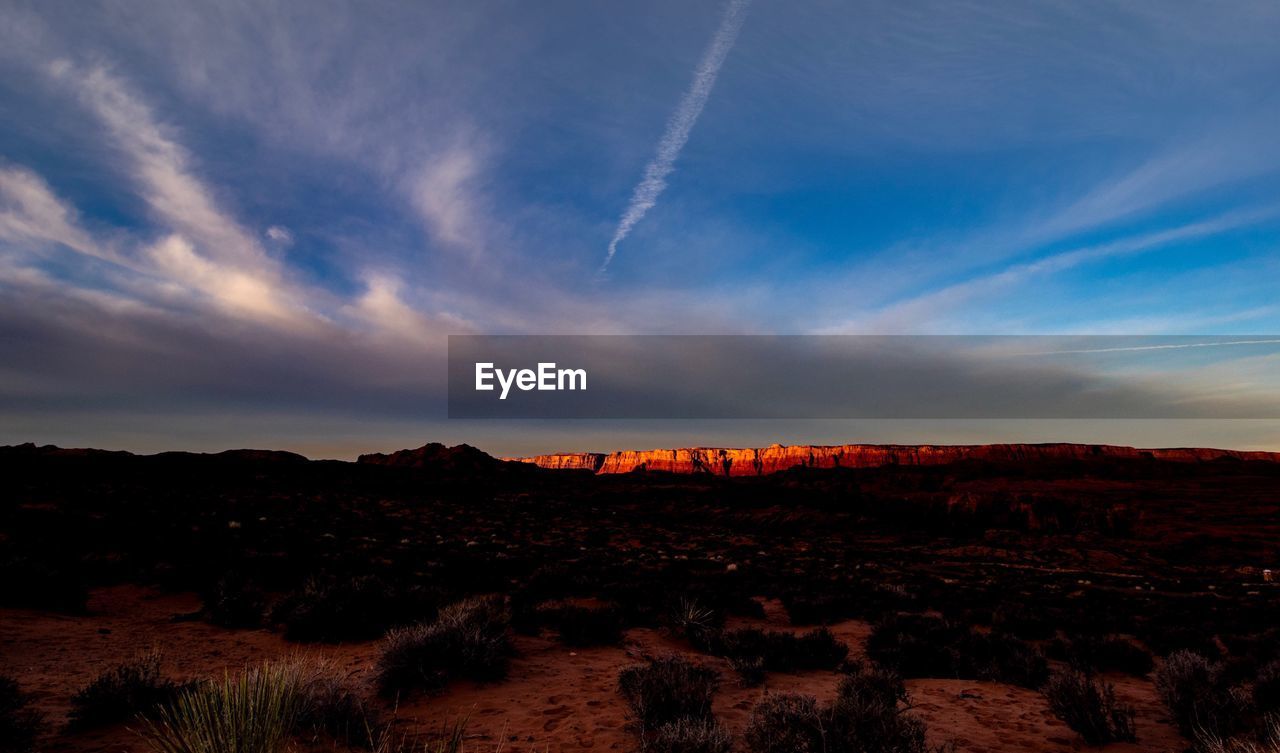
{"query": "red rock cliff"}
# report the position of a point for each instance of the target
(759, 461)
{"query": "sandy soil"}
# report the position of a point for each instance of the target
(556, 698)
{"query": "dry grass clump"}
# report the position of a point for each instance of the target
(255, 711)
(1267, 740)
(1201, 697)
(668, 689)
(468, 639)
(122, 692)
(869, 715)
(1089, 707)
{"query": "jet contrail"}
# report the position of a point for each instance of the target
(679, 126)
(1175, 346)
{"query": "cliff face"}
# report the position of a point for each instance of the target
(566, 461)
(774, 458)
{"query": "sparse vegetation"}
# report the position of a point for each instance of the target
(1200, 697)
(1265, 740)
(668, 689)
(350, 609)
(19, 724)
(688, 736)
(868, 715)
(122, 692)
(235, 601)
(779, 651)
(255, 711)
(925, 646)
(1089, 706)
(468, 639)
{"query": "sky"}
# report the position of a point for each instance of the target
(229, 224)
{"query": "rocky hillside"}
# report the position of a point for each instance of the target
(752, 461)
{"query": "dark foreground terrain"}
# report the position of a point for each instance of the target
(450, 599)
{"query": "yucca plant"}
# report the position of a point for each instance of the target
(252, 712)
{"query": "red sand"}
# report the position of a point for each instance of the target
(556, 698)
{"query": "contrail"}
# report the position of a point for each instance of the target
(1175, 346)
(678, 127)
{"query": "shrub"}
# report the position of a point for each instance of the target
(699, 624)
(1267, 740)
(1199, 696)
(750, 669)
(1089, 707)
(253, 712)
(122, 692)
(923, 646)
(865, 717)
(688, 736)
(782, 651)
(235, 602)
(668, 689)
(585, 626)
(350, 609)
(786, 723)
(1266, 687)
(19, 725)
(468, 639)
(330, 707)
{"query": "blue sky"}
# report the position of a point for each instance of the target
(253, 223)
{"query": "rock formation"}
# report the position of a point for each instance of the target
(774, 458)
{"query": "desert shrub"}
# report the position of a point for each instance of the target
(122, 692)
(925, 646)
(1264, 740)
(356, 608)
(19, 725)
(1089, 707)
(782, 651)
(468, 639)
(586, 626)
(1199, 696)
(668, 689)
(235, 602)
(688, 736)
(1266, 687)
(917, 645)
(786, 723)
(750, 669)
(698, 623)
(868, 715)
(253, 712)
(329, 706)
(1110, 653)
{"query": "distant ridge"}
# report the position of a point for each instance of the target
(751, 461)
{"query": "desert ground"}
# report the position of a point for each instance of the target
(978, 583)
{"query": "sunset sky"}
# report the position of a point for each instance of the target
(229, 224)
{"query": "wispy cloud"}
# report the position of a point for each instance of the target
(679, 127)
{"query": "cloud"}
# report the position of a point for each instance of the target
(31, 213)
(280, 235)
(679, 126)
(912, 312)
(446, 195)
